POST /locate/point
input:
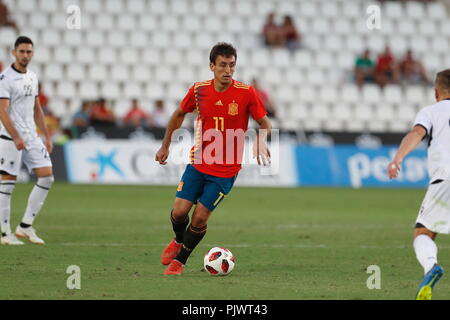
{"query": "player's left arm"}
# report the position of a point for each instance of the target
(408, 144)
(40, 122)
(260, 149)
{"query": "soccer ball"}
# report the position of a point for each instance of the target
(219, 261)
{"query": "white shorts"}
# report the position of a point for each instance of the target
(434, 213)
(34, 156)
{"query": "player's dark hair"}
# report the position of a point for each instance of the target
(22, 39)
(222, 49)
(443, 80)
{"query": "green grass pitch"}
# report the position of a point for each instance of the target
(289, 243)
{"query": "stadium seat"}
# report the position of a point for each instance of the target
(393, 94)
(161, 40)
(245, 8)
(41, 55)
(88, 90)
(26, 6)
(63, 55)
(445, 27)
(126, 22)
(342, 26)
(334, 125)
(58, 21)
(201, 7)
(376, 43)
(350, 93)
(354, 125)
(147, 23)
(136, 6)
(309, 9)
(53, 72)
(114, 7)
(85, 54)
(110, 90)
(151, 56)
(399, 126)
(50, 37)
(7, 37)
(104, 21)
(342, 112)
(328, 94)
(397, 44)
(66, 90)
(419, 44)
(281, 58)
(439, 46)
(128, 56)
(75, 72)
(132, 90)
(273, 76)
(182, 40)
(308, 94)
(371, 93)
(415, 94)
(163, 73)
(95, 39)
(159, 7)
(154, 91)
(170, 23)
(316, 77)
(321, 26)
(303, 58)
(427, 27)
(72, 38)
(377, 126)
(406, 27)
(97, 73)
(329, 9)
(351, 9)
(364, 112)
(107, 55)
(355, 44)
(393, 10)
(119, 73)
(415, 10)
(405, 112)
(436, 11)
(333, 43)
(320, 112)
(285, 94)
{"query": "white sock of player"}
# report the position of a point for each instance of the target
(6, 189)
(37, 198)
(426, 251)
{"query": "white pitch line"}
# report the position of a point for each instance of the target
(239, 245)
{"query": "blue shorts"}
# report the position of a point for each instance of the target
(205, 188)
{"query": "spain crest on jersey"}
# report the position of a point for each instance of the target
(233, 108)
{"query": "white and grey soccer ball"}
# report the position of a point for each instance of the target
(219, 261)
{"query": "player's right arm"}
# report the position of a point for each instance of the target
(176, 120)
(408, 144)
(7, 123)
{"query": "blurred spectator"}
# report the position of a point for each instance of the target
(1, 66)
(81, 118)
(272, 33)
(412, 70)
(5, 18)
(364, 69)
(136, 116)
(386, 70)
(159, 116)
(43, 100)
(265, 99)
(101, 114)
(290, 33)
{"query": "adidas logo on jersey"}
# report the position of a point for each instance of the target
(219, 103)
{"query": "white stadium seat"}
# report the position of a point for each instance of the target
(132, 90)
(303, 58)
(119, 73)
(364, 112)
(309, 9)
(136, 6)
(26, 6)
(97, 73)
(128, 56)
(66, 90)
(437, 11)
(63, 55)
(88, 90)
(126, 22)
(154, 91)
(393, 10)
(85, 54)
(328, 94)
(179, 8)
(350, 94)
(114, 6)
(110, 90)
(7, 37)
(104, 21)
(393, 94)
(158, 6)
(53, 72)
(141, 73)
(107, 55)
(75, 72)
(320, 112)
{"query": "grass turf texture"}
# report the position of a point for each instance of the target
(289, 243)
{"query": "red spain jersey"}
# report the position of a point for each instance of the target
(222, 121)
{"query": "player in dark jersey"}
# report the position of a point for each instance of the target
(224, 106)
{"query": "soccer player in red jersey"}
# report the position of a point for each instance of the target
(224, 107)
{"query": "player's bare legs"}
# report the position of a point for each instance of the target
(426, 253)
(193, 235)
(7, 185)
(180, 220)
(35, 202)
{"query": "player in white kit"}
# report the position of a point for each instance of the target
(434, 215)
(20, 111)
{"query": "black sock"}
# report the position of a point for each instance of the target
(24, 225)
(192, 237)
(179, 227)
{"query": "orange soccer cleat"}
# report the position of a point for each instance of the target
(175, 267)
(170, 252)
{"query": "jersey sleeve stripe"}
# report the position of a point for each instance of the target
(421, 125)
